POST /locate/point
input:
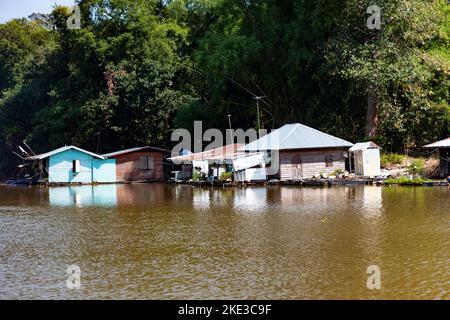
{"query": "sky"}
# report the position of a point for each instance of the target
(10, 9)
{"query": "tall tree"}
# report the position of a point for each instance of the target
(394, 67)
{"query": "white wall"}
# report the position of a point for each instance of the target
(255, 174)
(367, 162)
(372, 165)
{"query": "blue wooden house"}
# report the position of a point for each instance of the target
(71, 164)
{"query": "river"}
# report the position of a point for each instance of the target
(156, 241)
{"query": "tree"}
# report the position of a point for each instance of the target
(24, 80)
(137, 69)
(120, 83)
(396, 67)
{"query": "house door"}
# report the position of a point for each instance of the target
(296, 167)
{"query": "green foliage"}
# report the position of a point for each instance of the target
(391, 159)
(114, 83)
(337, 172)
(417, 167)
(138, 69)
(404, 181)
(197, 175)
(225, 176)
(398, 67)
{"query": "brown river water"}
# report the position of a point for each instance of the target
(156, 241)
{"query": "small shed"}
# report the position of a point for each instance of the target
(71, 164)
(139, 164)
(443, 147)
(365, 157)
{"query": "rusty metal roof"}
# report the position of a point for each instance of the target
(122, 152)
(223, 153)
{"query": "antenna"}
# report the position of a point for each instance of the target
(257, 98)
(231, 134)
(23, 151)
(18, 155)
(26, 145)
(98, 142)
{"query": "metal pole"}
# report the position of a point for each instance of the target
(231, 134)
(257, 110)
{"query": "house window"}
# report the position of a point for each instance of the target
(145, 163)
(76, 166)
(328, 161)
(296, 159)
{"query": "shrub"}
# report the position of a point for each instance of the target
(224, 176)
(404, 181)
(417, 167)
(391, 158)
(337, 172)
(197, 175)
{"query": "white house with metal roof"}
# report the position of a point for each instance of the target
(302, 152)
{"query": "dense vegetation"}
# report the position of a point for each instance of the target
(139, 68)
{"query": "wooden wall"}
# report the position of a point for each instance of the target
(60, 167)
(444, 163)
(128, 167)
(297, 164)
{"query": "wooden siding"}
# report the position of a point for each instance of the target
(61, 164)
(60, 168)
(298, 164)
(129, 167)
(444, 164)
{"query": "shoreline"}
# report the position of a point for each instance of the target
(230, 184)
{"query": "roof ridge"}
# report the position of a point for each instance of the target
(329, 135)
(290, 132)
(63, 149)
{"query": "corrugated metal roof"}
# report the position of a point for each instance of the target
(439, 144)
(59, 150)
(296, 136)
(364, 146)
(121, 152)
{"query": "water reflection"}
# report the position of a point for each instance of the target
(142, 195)
(244, 200)
(82, 196)
(201, 199)
(372, 206)
(250, 200)
(181, 242)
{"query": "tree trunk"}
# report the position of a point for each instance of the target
(372, 115)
